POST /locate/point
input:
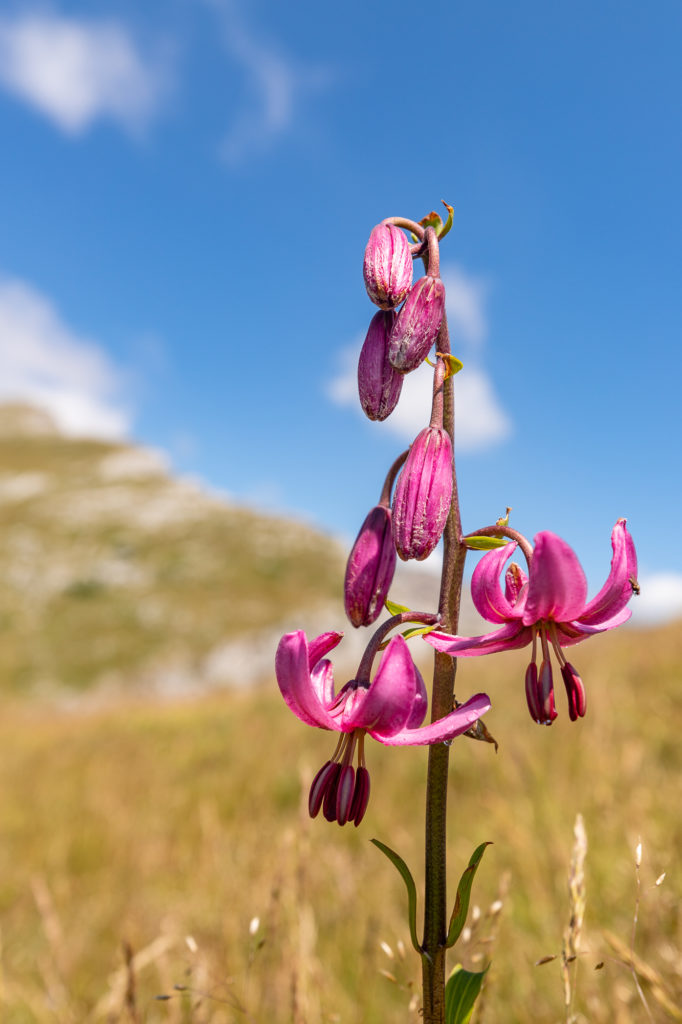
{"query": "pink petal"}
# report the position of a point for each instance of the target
(617, 590)
(295, 683)
(321, 646)
(486, 591)
(508, 638)
(557, 588)
(387, 704)
(570, 633)
(444, 729)
(420, 703)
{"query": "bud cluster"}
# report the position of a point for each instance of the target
(397, 342)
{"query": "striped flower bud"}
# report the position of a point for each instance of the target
(387, 266)
(423, 494)
(370, 568)
(417, 324)
(379, 384)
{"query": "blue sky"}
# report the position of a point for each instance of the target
(188, 187)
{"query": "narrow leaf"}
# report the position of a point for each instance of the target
(406, 874)
(395, 609)
(478, 543)
(461, 908)
(417, 631)
(461, 992)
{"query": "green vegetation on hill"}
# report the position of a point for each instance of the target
(114, 574)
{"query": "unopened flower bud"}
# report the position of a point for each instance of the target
(379, 384)
(417, 324)
(387, 266)
(423, 495)
(370, 568)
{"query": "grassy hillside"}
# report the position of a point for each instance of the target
(115, 574)
(157, 833)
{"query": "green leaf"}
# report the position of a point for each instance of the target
(417, 631)
(461, 992)
(406, 874)
(478, 543)
(461, 907)
(432, 220)
(453, 363)
(448, 223)
(395, 609)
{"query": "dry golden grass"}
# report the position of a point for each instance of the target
(139, 843)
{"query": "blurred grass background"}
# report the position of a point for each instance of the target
(157, 832)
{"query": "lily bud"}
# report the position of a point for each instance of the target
(387, 266)
(370, 568)
(379, 384)
(417, 324)
(423, 495)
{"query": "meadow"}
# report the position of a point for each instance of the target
(157, 863)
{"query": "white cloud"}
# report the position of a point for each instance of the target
(75, 71)
(660, 599)
(44, 362)
(277, 84)
(480, 418)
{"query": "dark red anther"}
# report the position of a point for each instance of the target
(575, 692)
(344, 794)
(532, 693)
(360, 796)
(331, 789)
(546, 694)
(318, 788)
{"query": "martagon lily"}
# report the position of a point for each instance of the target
(390, 709)
(548, 605)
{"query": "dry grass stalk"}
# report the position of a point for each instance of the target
(648, 974)
(576, 892)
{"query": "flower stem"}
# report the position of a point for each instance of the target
(442, 702)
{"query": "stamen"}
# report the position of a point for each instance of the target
(345, 793)
(556, 645)
(319, 788)
(360, 796)
(574, 690)
(329, 805)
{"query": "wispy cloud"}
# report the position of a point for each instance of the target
(481, 419)
(44, 362)
(277, 84)
(660, 599)
(76, 71)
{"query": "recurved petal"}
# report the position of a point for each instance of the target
(508, 638)
(419, 704)
(557, 588)
(570, 633)
(486, 591)
(617, 590)
(388, 702)
(444, 729)
(321, 646)
(295, 682)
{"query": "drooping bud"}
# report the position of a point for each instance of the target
(575, 692)
(417, 324)
(370, 568)
(423, 495)
(379, 383)
(387, 266)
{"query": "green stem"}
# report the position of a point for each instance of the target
(442, 702)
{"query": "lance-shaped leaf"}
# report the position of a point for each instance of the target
(480, 543)
(461, 908)
(442, 232)
(406, 875)
(394, 608)
(461, 992)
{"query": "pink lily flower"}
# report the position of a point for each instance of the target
(549, 605)
(390, 709)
